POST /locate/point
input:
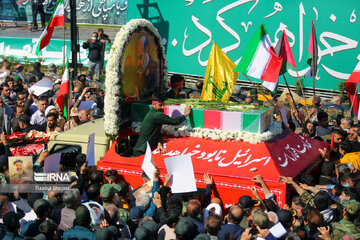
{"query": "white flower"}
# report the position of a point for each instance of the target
(112, 81)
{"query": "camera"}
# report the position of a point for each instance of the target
(92, 90)
(253, 230)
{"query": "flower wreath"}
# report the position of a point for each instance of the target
(114, 67)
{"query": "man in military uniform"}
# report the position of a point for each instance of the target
(151, 126)
(20, 175)
(109, 195)
(52, 75)
(346, 225)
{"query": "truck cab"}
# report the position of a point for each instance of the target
(75, 141)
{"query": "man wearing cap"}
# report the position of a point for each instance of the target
(74, 119)
(82, 228)
(346, 225)
(109, 193)
(19, 68)
(12, 225)
(247, 204)
(151, 126)
(184, 228)
(20, 175)
(52, 75)
(176, 84)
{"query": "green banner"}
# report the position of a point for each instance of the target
(52, 53)
(188, 28)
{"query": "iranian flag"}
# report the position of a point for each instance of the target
(57, 19)
(351, 87)
(259, 59)
(63, 95)
(282, 50)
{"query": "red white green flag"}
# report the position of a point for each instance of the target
(351, 87)
(57, 19)
(282, 50)
(63, 95)
(259, 59)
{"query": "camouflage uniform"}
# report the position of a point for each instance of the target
(19, 178)
(307, 198)
(345, 227)
(107, 192)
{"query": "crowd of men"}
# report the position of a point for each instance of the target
(101, 205)
(24, 111)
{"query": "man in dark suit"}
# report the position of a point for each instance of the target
(232, 229)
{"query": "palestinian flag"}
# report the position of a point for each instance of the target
(259, 59)
(351, 87)
(63, 95)
(57, 19)
(282, 50)
(313, 53)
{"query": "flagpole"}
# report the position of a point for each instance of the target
(292, 97)
(353, 100)
(313, 71)
(64, 48)
(302, 91)
(267, 99)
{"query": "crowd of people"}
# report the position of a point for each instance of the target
(24, 111)
(102, 205)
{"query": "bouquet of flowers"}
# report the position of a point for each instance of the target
(33, 137)
(27, 150)
(214, 105)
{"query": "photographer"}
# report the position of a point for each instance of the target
(95, 48)
(85, 102)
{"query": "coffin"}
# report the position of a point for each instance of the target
(232, 164)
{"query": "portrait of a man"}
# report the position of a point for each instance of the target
(20, 169)
(141, 72)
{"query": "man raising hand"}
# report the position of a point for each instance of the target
(151, 126)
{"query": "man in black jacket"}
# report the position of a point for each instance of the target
(24, 124)
(95, 49)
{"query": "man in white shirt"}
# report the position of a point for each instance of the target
(39, 116)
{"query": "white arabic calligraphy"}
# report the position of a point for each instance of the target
(199, 48)
(292, 153)
(244, 158)
(353, 17)
(98, 8)
(277, 8)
